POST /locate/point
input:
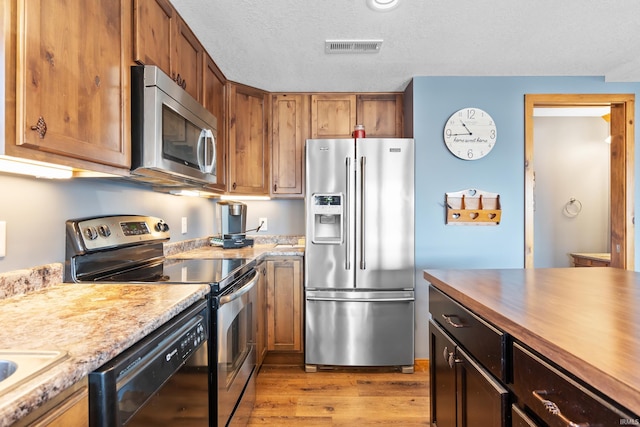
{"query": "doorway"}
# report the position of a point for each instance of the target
(621, 169)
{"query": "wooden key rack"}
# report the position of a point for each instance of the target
(472, 207)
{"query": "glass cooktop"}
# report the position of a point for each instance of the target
(218, 273)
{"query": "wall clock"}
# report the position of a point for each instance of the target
(470, 133)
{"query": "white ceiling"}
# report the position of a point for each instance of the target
(278, 45)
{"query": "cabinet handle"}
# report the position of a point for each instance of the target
(447, 319)
(40, 127)
(552, 408)
(275, 188)
(180, 81)
(449, 357)
(233, 186)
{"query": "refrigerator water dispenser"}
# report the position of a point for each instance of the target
(327, 212)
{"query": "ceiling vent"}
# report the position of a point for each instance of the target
(352, 46)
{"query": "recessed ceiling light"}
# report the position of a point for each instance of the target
(382, 5)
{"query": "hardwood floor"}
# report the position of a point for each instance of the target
(288, 396)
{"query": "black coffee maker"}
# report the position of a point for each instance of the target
(233, 225)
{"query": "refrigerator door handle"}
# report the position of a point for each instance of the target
(337, 299)
(347, 246)
(363, 163)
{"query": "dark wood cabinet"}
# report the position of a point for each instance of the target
(546, 394)
(463, 392)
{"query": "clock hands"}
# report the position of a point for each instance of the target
(465, 126)
(463, 134)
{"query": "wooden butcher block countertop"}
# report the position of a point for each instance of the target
(586, 320)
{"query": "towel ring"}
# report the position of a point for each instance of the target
(572, 208)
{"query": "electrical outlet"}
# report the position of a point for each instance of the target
(264, 223)
(184, 225)
(3, 238)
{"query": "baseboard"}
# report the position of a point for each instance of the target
(421, 365)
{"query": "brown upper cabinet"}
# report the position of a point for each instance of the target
(290, 119)
(335, 115)
(162, 38)
(248, 159)
(381, 114)
(213, 98)
(332, 115)
(71, 103)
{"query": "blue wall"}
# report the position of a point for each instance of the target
(501, 171)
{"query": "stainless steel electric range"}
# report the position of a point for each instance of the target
(130, 249)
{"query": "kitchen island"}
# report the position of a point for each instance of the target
(585, 321)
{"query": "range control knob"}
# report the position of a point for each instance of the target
(90, 233)
(104, 230)
(162, 226)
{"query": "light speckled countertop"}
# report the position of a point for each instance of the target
(92, 322)
(257, 251)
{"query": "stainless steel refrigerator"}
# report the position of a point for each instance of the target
(359, 253)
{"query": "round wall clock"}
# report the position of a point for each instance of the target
(470, 133)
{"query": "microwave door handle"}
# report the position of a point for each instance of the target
(205, 135)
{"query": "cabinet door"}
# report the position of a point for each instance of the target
(213, 99)
(442, 377)
(186, 68)
(72, 412)
(73, 84)
(153, 24)
(284, 304)
(290, 118)
(248, 142)
(482, 400)
(261, 336)
(333, 115)
(381, 114)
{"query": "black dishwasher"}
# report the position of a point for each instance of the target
(160, 381)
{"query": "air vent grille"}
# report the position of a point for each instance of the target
(352, 46)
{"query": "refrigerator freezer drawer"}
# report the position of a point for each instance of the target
(351, 331)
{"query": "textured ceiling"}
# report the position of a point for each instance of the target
(278, 45)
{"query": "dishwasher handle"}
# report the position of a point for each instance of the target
(243, 290)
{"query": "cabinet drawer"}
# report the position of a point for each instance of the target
(486, 343)
(520, 419)
(556, 399)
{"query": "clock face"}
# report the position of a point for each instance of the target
(470, 133)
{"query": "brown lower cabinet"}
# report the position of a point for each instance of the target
(283, 310)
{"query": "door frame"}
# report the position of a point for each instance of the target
(622, 168)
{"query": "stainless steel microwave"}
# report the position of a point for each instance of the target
(173, 136)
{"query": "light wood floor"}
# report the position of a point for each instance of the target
(288, 396)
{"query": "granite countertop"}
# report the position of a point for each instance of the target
(93, 323)
(257, 251)
(584, 319)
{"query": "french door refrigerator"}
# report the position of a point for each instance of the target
(359, 253)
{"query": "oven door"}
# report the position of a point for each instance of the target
(236, 317)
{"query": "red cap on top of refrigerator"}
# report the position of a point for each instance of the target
(358, 131)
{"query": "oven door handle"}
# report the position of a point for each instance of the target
(243, 290)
